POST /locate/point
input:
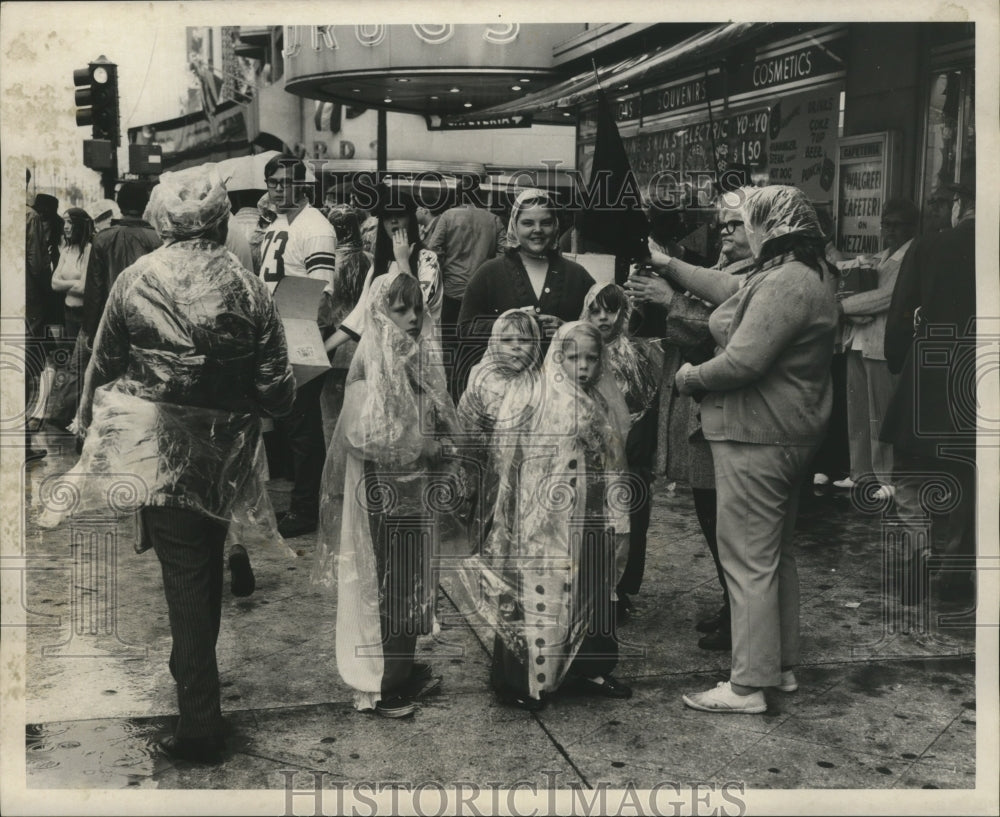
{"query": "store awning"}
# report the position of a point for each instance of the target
(583, 88)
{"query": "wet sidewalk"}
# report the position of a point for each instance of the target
(885, 701)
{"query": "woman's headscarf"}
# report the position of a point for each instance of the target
(187, 203)
(493, 379)
(778, 210)
(526, 199)
(632, 363)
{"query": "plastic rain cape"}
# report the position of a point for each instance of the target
(491, 382)
(381, 497)
(563, 496)
(636, 364)
(395, 399)
(200, 352)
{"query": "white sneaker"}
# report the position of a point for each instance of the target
(723, 699)
(788, 682)
(846, 482)
(884, 493)
(820, 479)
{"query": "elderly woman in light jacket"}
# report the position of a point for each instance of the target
(767, 397)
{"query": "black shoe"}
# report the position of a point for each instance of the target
(198, 750)
(714, 622)
(719, 640)
(395, 707)
(32, 454)
(292, 525)
(607, 687)
(421, 682)
(241, 579)
(525, 702)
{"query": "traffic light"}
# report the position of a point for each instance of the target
(97, 99)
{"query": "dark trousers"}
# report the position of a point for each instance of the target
(833, 456)
(639, 451)
(704, 508)
(302, 431)
(190, 549)
(450, 308)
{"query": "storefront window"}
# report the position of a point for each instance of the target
(950, 141)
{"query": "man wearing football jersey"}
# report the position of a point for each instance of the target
(300, 241)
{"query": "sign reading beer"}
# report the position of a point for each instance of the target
(865, 180)
(803, 141)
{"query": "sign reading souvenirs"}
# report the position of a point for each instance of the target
(865, 181)
(435, 122)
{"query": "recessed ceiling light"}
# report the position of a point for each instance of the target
(455, 90)
(357, 90)
(566, 113)
(524, 79)
(434, 97)
(515, 87)
(467, 104)
(402, 79)
(387, 100)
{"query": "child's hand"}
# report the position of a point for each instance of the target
(401, 249)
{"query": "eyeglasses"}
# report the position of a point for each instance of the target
(892, 222)
(275, 183)
(729, 227)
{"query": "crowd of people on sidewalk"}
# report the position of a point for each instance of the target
(476, 371)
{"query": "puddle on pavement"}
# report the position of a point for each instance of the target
(89, 755)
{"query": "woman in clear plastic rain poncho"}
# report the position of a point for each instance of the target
(378, 546)
(546, 577)
(636, 365)
(767, 400)
(188, 355)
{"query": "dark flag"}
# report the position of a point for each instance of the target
(615, 218)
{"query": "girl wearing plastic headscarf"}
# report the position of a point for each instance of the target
(545, 580)
(635, 364)
(767, 401)
(377, 547)
(189, 354)
(531, 275)
(509, 367)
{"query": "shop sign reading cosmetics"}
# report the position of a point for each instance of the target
(816, 60)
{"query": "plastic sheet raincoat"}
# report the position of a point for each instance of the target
(546, 577)
(381, 496)
(497, 381)
(191, 353)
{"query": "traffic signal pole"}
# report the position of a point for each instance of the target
(97, 106)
